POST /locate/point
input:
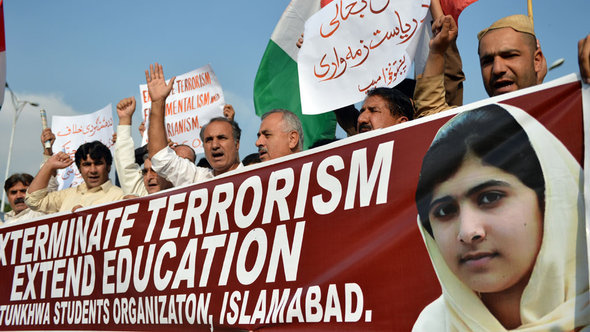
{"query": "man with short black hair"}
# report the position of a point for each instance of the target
(16, 188)
(384, 107)
(94, 161)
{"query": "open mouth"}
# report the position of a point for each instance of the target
(216, 155)
(503, 86)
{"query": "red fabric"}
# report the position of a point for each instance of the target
(455, 7)
(324, 2)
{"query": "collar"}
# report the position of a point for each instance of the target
(12, 214)
(104, 187)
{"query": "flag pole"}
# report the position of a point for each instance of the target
(530, 10)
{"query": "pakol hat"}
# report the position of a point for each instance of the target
(520, 23)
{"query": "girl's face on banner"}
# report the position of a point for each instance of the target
(488, 226)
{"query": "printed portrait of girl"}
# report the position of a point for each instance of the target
(501, 211)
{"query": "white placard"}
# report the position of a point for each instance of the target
(196, 98)
(352, 46)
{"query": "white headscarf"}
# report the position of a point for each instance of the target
(556, 297)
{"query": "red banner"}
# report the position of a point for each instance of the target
(325, 240)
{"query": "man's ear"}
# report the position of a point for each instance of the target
(401, 119)
(540, 63)
(293, 139)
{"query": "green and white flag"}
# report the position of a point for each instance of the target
(277, 82)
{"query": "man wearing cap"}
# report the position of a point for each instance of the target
(510, 58)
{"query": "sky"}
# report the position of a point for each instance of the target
(75, 57)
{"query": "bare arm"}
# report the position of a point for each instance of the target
(436, 9)
(158, 90)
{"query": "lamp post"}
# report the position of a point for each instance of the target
(18, 106)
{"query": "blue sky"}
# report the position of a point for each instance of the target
(75, 57)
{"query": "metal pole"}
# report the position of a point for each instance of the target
(8, 160)
(18, 105)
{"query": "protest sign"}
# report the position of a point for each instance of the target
(196, 98)
(351, 46)
(326, 239)
(73, 131)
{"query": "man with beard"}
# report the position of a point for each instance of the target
(384, 107)
(510, 59)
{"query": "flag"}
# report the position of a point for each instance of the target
(2, 54)
(455, 7)
(277, 83)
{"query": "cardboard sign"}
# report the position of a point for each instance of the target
(352, 46)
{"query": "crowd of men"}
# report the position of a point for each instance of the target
(510, 56)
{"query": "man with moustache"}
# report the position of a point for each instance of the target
(220, 137)
(384, 107)
(510, 58)
(280, 134)
(16, 188)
